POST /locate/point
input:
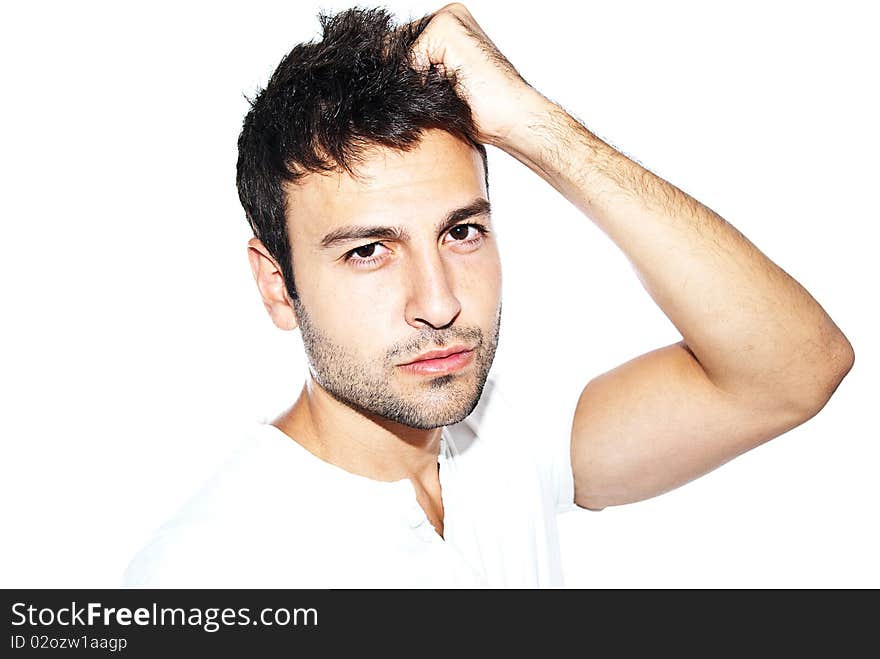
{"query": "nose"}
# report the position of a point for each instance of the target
(431, 301)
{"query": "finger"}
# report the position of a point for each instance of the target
(424, 50)
(427, 52)
(419, 56)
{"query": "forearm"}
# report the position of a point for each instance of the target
(755, 331)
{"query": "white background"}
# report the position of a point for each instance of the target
(134, 345)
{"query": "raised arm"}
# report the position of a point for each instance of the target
(759, 355)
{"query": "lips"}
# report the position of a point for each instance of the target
(438, 354)
(440, 362)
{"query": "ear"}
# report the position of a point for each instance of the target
(270, 283)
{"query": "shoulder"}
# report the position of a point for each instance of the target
(525, 426)
(223, 533)
(522, 414)
(178, 556)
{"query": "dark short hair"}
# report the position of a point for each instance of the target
(328, 103)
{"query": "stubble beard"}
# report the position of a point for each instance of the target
(431, 402)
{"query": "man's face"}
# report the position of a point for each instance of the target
(370, 304)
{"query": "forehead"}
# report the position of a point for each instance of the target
(396, 187)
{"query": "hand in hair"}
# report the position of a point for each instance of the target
(497, 94)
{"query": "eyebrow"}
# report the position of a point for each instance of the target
(346, 234)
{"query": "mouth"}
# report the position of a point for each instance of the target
(440, 362)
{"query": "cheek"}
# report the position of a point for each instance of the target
(354, 312)
(478, 281)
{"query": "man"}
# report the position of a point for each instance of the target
(362, 171)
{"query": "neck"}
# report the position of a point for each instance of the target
(358, 441)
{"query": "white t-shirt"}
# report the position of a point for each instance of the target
(278, 516)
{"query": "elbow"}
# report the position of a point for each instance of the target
(847, 358)
(838, 362)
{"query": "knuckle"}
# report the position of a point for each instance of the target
(443, 16)
(455, 8)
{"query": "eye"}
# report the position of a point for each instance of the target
(365, 255)
(467, 234)
(366, 251)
